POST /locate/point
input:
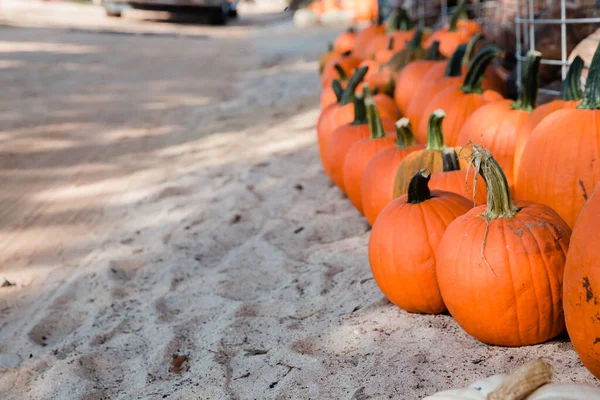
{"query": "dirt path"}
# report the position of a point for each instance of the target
(171, 233)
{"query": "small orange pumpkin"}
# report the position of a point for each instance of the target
(451, 36)
(403, 243)
(364, 37)
(500, 266)
(344, 43)
(361, 153)
(348, 64)
(378, 179)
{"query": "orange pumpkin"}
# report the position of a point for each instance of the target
(378, 179)
(495, 125)
(459, 102)
(332, 94)
(344, 43)
(403, 243)
(582, 280)
(451, 36)
(570, 98)
(411, 77)
(364, 37)
(362, 152)
(345, 136)
(386, 106)
(429, 88)
(560, 164)
(337, 115)
(398, 29)
(500, 266)
(324, 59)
(431, 157)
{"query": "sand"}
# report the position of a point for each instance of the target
(170, 232)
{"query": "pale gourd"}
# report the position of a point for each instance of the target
(530, 382)
(304, 18)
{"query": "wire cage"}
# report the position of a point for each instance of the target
(551, 23)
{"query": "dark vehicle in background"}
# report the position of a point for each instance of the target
(218, 11)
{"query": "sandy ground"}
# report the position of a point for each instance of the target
(171, 234)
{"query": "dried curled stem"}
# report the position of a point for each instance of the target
(523, 381)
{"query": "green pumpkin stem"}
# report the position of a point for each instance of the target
(360, 109)
(450, 160)
(337, 89)
(499, 201)
(454, 66)
(418, 189)
(531, 81)
(591, 95)
(340, 71)
(471, 46)
(571, 86)
(329, 47)
(348, 95)
(399, 20)
(404, 134)
(415, 41)
(433, 53)
(375, 124)
(476, 72)
(435, 135)
(456, 16)
(390, 45)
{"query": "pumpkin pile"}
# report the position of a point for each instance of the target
(472, 197)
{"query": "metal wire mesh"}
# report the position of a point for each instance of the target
(526, 18)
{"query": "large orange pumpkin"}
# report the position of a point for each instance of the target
(570, 98)
(456, 180)
(460, 102)
(403, 242)
(429, 88)
(345, 136)
(378, 179)
(500, 266)
(453, 35)
(411, 77)
(495, 125)
(560, 164)
(582, 285)
(431, 157)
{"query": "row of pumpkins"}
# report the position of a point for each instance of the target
(471, 196)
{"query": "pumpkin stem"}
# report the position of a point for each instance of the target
(360, 110)
(471, 46)
(450, 159)
(418, 190)
(524, 381)
(399, 21)
(435, 135)
(337, 89)
(329, 47)
(458, 12)
(340, 71)
(499, 201)
(571, 87)
(404, 134)
(375, 124)
(531, 81)
(415, 41)
(454, 66)
(591, 96)
(433, 53)
(353, 83)
(390, 45)
(476, 72)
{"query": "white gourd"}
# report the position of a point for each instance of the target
(530, 382)
(304, 18)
